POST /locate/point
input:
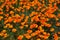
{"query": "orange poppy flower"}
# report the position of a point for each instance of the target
(14, 30)
(33, 34)
(20, 37)
(27, 36)
(29, 31)
(33, 26)
(10, 19)
(55, 36)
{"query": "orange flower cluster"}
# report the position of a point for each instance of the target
(30, 19)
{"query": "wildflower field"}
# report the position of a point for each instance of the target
(29, 19)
